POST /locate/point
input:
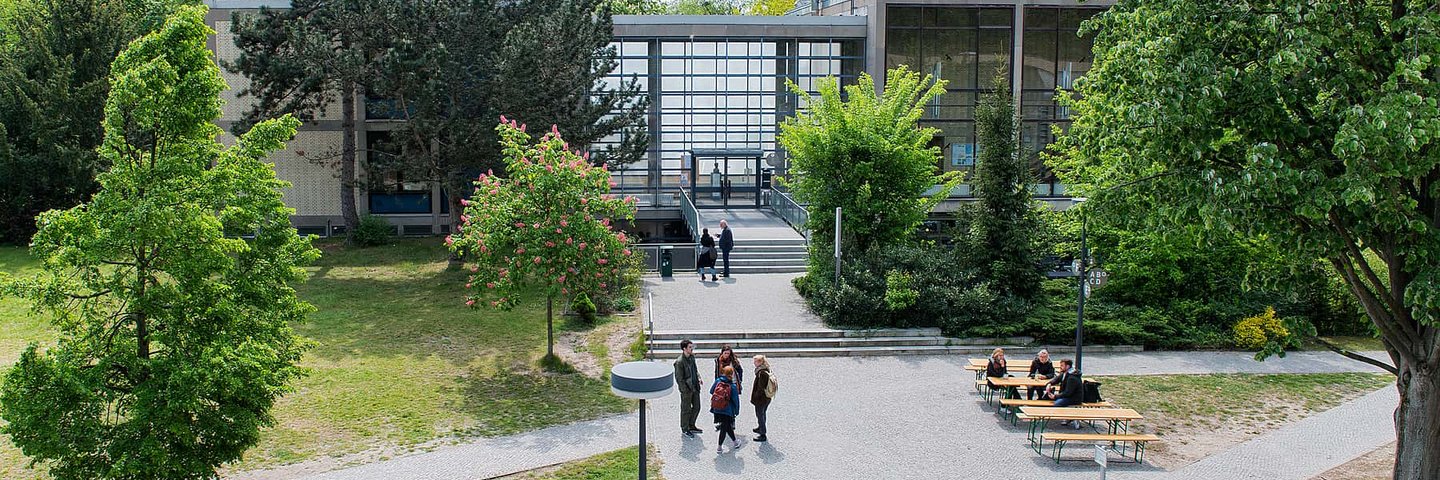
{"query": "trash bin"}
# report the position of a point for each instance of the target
(667, 268)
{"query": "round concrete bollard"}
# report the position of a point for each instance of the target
(642, 380)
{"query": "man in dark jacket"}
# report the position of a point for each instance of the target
(727, 242)
(687, 379)
(1071, 388)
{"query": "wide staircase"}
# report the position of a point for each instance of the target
(839, 343)
(764, 243)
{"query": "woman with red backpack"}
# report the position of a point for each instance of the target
(725, 404)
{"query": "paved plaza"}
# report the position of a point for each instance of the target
(891, 417)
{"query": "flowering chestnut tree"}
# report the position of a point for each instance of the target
(545, 225)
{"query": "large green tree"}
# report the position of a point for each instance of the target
(864, 152)
(1313, 123)
(170, 287)
(1000, 244)
(466, 62)
(302, 59)
(54, 74)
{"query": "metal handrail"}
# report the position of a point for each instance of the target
(790, 210)
(692, 215)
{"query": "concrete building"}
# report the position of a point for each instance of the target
(717, 88)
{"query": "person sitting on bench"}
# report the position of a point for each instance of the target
(1069, 388)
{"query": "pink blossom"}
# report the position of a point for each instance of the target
(587, 155)
(570, 241)
(626, 252)
(504, 272)
(582, 245)
(468, 286)
(612, 184)
(474, 269)
(615, 270)
(584, 201)
(464, 202)
(598, 274)
(555, 129)
(489, 284)
(572, 269)
(520, 251)
(495, 303)
(519, 224)
(562, 279)
(484, 249)
(603, 261)
(629, 199)
(549, 243)
(558, 231)
(503, 119)
(464, 219)
(549, 168)
(469, 303)
(449, 240)
(537, 260)
(620, 236)
(602, 285)
(522, 127)
(605, 222)
(564, 290)
(494, 191)
(564, 223)
(536, 224)
(490, 172)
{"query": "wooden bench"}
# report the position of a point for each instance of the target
(1139, 439)
(1014, 405)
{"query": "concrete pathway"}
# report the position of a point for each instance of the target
(879, 417)
(741, 302)
(888, 417)
(748, 223)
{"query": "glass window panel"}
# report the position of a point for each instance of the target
(767, 49)
(1070, 18)
(705, 49)
(672, 66)
(804, 49)
(672, 48)
(1074, 58)
(902, 47)
(672, 84)
(997, 17)
(950, 17)
(639, 66)
(736, 49)
(703, 66)
(994, 52)
(903, 16)
(735, 66)
(952, 53)
(1039, 66)
(1039, 18)
(638, 49)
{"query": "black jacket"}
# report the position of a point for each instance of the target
(687, 377)
(705, 259)
(727, 240)
(1071, 387)
(993, 369)
(1046, 369)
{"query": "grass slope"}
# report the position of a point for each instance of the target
(399, 361)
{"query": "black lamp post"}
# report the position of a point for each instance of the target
(1083, 271)
(642, 381)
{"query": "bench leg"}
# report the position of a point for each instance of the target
(1059, 448)
(1140, 452)
(1035, 440)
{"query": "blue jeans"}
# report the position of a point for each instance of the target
(1065, 402)
(726, 255)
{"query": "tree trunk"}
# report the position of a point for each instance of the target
(550, 325)
(456, 209)
(347, 158)
(1417, 423)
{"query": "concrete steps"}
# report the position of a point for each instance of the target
(848, 343)
(768, 255)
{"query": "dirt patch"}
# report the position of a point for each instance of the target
(1376, 465)
(593, 351)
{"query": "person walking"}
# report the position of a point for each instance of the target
(725, 404)
(1040, 368)
(727, 242)
(727, 359)
(760, 394)
(706, 261)
(687, 379)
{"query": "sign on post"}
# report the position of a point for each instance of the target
(1102, 460)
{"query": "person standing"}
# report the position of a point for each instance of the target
(760, 394)
(1040, 368)
(687, 379)
(706, 261)
(727, 242)
(725, 404)
(727, 359)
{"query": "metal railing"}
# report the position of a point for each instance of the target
(790, 210)
(692, 216)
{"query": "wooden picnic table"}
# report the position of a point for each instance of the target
(1011, 385)
(1118, 419)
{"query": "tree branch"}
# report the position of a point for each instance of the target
(1376, 284)
(1356, 357)
(90, 296)
(1404, 345)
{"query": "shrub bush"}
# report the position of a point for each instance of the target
(372, 231)
(583, 308)
(1254, 332)
(624, 304)
(900, 293)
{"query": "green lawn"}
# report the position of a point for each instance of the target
(620, 464)
(400, 360)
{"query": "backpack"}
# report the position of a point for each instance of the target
(771, 386)
(720, 398)
(1092, 392)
